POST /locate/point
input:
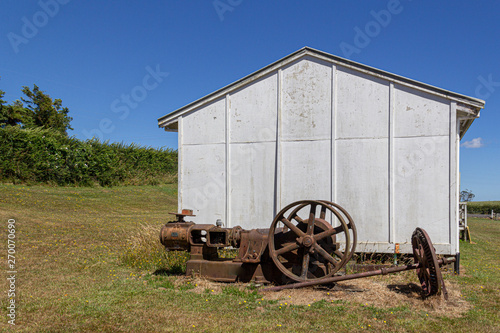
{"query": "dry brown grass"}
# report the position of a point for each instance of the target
(144, 251)
(379, 292)
(145, 240)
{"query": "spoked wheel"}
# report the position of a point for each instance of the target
(303, 244)
(424, 254)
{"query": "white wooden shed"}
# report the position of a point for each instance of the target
(316, 126)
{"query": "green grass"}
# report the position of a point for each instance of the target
(86, 257)
(481, 270)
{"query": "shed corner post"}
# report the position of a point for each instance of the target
(227, 139)
(454, 178)
(391, 167)
(279, 150)
(180, 164)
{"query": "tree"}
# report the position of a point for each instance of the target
(42, 111)
(11, 115)
(466, 195)
(3, 117)
(2, 102)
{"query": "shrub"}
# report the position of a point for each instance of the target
(483, 207)
(47, 156)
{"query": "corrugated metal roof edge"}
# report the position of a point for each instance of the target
(305, 51)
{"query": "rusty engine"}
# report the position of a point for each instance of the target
(308, 242)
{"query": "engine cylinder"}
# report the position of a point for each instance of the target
(175, 235)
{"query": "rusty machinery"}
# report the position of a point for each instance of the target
(301, 248)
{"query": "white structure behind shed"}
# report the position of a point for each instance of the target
(316, 126)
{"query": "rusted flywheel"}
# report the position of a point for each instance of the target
(304, 245)
(429, 272)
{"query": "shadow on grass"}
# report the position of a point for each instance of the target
(406, 289)
(170, 271)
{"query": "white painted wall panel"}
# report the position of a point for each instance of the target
(362, 186)
(253, 114)
(306, 100)
(252, 179)
(271, 164)
(305, 171)
(203, 185)
(420, 114)
(422, 187)
(205, 125)
(363, 105)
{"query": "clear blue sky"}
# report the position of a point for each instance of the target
(93, 54)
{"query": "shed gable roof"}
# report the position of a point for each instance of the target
(465, 104)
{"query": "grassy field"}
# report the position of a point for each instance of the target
(86, 257)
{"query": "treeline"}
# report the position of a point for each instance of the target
(48, 156)
(483, 207)
(35, 148)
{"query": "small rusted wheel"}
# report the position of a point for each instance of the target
(424, 254)
(305, 246)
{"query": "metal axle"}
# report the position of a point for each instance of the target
(383, 271)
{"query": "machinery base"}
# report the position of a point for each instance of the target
(231, 271)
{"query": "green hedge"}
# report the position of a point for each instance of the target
(483, 207)
(43, 155)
